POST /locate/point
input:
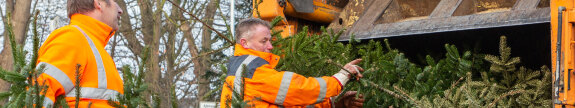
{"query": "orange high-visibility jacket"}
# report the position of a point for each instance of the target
(82, 42)
(266, 87)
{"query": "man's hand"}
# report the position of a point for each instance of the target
(354, 69)
(349, 101)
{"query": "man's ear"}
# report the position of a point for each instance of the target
(97, 4)
(244, 42)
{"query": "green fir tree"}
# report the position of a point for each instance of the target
(406, 84)
(25, 90)
(316, 55)
(503, 86)
(135, 87)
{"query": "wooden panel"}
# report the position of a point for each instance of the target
(454, 23)
(374, 11)
(349, 15)
(526, 4)
(465, 7)
(393, 13)
(445, 8)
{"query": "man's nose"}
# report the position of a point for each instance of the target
(269, 45)
(119, 9)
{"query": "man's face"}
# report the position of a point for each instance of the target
(260, 40)
(111, 13)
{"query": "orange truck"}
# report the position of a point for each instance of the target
(563, 46)
(297, 13)
(542, 30)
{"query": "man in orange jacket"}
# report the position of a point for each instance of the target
(266, 87)
(82, 43)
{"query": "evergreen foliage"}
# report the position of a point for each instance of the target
(405, 84)
(78, 77)
(216, 77)
(134, 87)
(309, 55)
(237, 100)
(504, 87)
(25, 90)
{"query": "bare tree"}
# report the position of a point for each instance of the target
(151, 33)
(178, 41)
(203, 64)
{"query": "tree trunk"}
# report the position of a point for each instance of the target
(186, 28)
(153, 28)
(170, 57)
(203, 64)
(151, 24)
(19, 20)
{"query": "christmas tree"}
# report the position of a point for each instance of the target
(25, 90)
(405, 84)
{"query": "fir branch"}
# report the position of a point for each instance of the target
(35, 41)
(16, 49)
(156, 101)
(276, 21)
(503, 96)
(61, 102)
(405, 95)
(456, 82)
(336, 35)
(78, 77)
(386, 90)
(387, 45)
(276, 34)
(134, 86)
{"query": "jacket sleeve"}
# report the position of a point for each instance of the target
(58, 58)
(329, 103)
(291, 89)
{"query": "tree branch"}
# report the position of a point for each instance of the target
(203, 23)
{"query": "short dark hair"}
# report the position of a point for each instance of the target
(80, 6)
(245, 27)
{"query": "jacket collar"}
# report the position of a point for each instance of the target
(271, 58)
(100, 31)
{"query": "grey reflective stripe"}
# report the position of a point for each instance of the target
(322, 89)
(238, 80)
(102, 82)
(234, 63)
(252, 66)
(284, 87)
(48, 102)
(322, 92)
(237, 61)
(57, 74)
(95, 93)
